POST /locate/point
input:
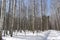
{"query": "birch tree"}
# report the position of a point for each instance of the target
(41, 15)
(13, 12)
(33, 14)
(11, 17)
(20, 4)
(3, 11)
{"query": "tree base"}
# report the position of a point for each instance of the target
(0, 35)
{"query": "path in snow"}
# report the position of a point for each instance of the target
(46, 35)
(54, 35)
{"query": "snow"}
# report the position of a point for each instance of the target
(46, 35)
(12, 38)
(54, 35)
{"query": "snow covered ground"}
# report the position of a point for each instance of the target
(46, 35)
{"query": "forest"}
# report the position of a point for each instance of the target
(31, 15)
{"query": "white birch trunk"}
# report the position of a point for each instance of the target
(3, 11)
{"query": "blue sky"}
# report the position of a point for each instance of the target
(48, 5)
(26, 2)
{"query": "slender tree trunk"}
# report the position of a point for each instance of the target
(14, 11)
(33, 14)
(3, 11)
(20, 4)
(57, 20)
(41, 15)
(9, 15)
(11, 12)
